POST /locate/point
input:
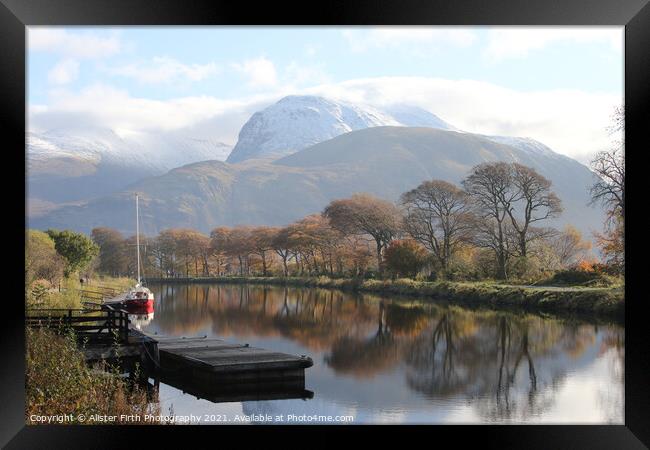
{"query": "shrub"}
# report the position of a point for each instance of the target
(574, 276)
(58, 381)
(462, 270)
(405, 258)
(38, 293)
(523, 268)
(585, 266)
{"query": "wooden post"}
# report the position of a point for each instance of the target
(124, 324)
(110, 322)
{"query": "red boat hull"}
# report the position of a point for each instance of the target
(139, 306)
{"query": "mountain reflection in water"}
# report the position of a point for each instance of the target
(389, 360)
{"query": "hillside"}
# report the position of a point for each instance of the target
(385, 161)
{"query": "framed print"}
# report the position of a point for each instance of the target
(352, 216)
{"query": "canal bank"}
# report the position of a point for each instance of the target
(601, 302)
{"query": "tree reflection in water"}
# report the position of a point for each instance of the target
(507, 375)
(508, 365)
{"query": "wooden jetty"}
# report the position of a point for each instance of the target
(217, 367)
(205, 367)
(221, 371)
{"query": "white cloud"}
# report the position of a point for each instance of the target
(105, 106)
(571, 122)
(515, 42)
(64, 72)
(79, 45)
(166, 70)
(260, 72)
(392, 37)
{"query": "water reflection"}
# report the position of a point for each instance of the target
(431, 363)
(140, 321)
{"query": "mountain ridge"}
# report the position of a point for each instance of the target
(298, 121)
(384, 161)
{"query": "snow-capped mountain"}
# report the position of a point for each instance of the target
(77, 164)
(307, 149)
(297, 122)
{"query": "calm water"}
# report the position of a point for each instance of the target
(388, 360)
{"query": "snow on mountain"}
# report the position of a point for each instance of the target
(413, 116)
(297, 122)
(528, 145)
(65, 165)
(96, 146)
(157, 152)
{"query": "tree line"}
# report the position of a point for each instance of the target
(494, 224)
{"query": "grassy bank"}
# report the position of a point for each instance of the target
(608, 302)
(68, 293)
(58, 382)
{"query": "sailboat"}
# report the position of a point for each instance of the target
(138, 298)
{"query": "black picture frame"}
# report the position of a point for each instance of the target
(15, 15)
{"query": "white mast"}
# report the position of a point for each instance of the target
(137, 235)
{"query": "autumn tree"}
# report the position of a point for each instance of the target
(220, 240)
(41, 258)
(234, 242)
(312, 239)
(533, 202)
(261, 244)
(354, 254)
(130, 251)
(241, 246)
(282, 246)
(437, 215)
(609, 190)
(609, 167)
(509, 200)
(190, 248)
(489, 187)
(112, 250)
(569, 247)
(163, 252)
(612, 245)
(364, 214)
(199, 250)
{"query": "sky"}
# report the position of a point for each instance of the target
(558, 85)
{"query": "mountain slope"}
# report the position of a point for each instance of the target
(297, 122)
(385, 161)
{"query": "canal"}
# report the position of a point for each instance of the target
(389, 360)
